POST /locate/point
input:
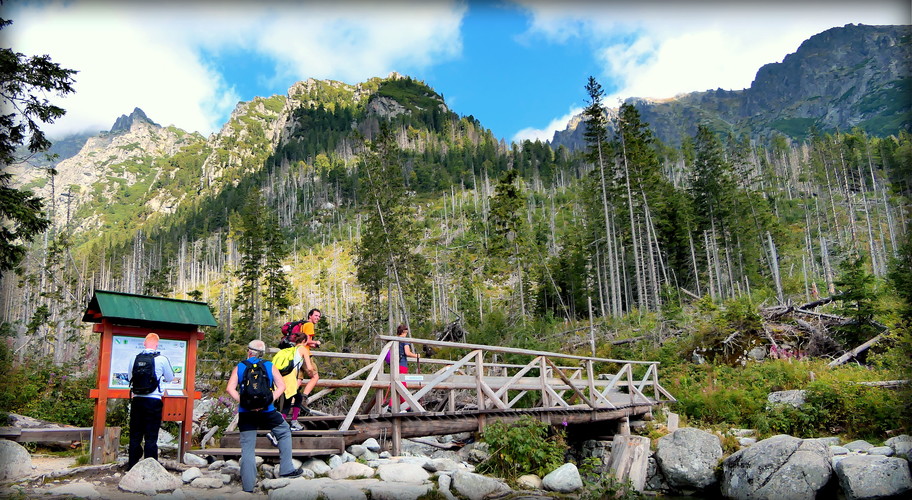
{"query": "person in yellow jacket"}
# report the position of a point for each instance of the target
(294, 363)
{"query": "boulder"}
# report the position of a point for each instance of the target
(442, 464)
(403, 473)
(350, 470)
(529, 482)
(207, 482)
(398, 491)
(191, 474)
(148, 477)
(78, 489)
(902, 445)
(859, 445)
(873, 476)
(15, 460)
(195, 460)
(779, 467)
(564, 479)
(794, 398)
(318, 466)
(475, 486)
(357, 450)
(372, 445)
(688, 458)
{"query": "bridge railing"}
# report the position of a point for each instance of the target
(593, 383)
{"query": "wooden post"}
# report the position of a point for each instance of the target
(630, 459)
(111, 443)
(101, 401)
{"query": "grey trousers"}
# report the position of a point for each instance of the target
(249, 423)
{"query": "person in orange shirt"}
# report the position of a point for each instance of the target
(308, 367)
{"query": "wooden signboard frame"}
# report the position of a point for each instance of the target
(177, 408)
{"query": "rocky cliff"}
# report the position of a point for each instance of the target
(853, 76)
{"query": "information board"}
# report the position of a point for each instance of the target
(125, 348)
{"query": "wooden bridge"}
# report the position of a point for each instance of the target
(462, 395)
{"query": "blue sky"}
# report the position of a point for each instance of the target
(518, 66)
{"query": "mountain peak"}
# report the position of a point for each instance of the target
(124, 123)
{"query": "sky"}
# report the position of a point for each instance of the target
(519, 67)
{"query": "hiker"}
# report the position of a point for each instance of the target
(147, 370)
(405, 352)
(309, 368)
(262, 415)
(290, 363)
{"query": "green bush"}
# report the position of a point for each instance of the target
(526, 446)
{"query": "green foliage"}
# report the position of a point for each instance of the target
(45, 391)
(526, 446)
(858, 302)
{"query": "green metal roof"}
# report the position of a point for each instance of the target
(143, 309)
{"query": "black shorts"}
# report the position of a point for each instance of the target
(257, 420)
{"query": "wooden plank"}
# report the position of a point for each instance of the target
(304, 442)
(515, 378)
(365, 388)
(513, 350)
(447, 373)
(629, 460)
(266, 452)
(568, 382)
(38, 435)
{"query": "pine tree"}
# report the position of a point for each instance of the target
(24, 83)
(251, 243)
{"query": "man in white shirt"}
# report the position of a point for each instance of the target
(146, 402)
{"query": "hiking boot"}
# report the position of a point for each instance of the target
(295, 473)
(296, 426)
(272, 439)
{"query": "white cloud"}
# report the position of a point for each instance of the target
(148, 55)
(546, 133)
(662, 48)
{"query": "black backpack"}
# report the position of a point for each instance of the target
(144, 380)
(255, 388)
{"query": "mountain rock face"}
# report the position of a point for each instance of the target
(853, 76)
(125, 122)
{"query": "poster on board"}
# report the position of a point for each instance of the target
(123, 350)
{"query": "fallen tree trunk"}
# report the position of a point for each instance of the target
(854, 352)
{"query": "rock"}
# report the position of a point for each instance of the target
(195, 460)
(342, 491)
(672, 422)
(884, 451)
(688, 458)
(475, 486)
(830, 440)
(398, 491)
(859, 445)
(529, 482)
(207, 482)
(191, 474)
(271, 484)
(148, 477)
(335, 461)
(348, 457)
(371, 444)
(357, 450)
(871, 476)
(794, 398)
(442, 464)
(216, 465)
(318, 466)
(746, 441)
(564, 479)
(369, 455)
(757, 353)
(655, 481)
(902, 445)
(838, 450)
(350, 470)
(15, 460)
(403, 473)
(166, 442)
(77, 489)
(779, 467)
(443, 486)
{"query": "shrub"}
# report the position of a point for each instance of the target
(526, 446)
